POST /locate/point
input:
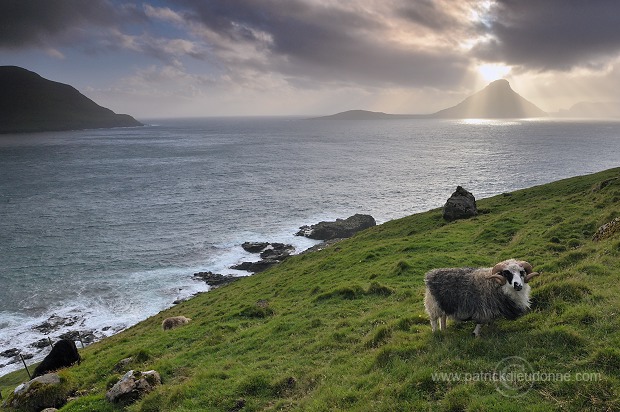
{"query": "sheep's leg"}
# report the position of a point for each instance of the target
(443, 322)
(434, 324)
(476, 332)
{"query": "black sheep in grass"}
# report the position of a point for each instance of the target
(64, 353)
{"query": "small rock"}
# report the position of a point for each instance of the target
(41, 343)
(84, 336)
(122, 365)
(132, 386)
(9, 353)
(239, 405)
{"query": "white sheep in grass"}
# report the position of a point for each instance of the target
(478, 294)
(173, 322)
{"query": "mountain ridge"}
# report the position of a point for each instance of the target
(31, 103)
(497, 100)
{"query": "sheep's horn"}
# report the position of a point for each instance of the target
(530, 276)
(497, 268)
(527, 266)
(502, 280)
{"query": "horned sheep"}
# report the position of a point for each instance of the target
(478, 294)
(173, 322)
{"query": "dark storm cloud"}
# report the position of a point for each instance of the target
(35, 23)
(553, 34)
(326, 42)
(427, 13)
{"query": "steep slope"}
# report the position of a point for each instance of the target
(344, 329)
(30, 103)
(497, 100)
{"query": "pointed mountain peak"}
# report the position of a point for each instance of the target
(497, 100)
(499, 84)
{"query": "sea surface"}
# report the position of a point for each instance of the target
(100, 229)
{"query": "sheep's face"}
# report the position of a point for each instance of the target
(514, 274)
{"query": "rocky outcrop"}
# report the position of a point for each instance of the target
(607, 230)
(254, 247)
(461, 205)
(277, 251)
(215, 280)
(271, 254)
(47, 391)
(256, 267)
(132, 386)
(14, 355)
(55, 322)
(341, 228)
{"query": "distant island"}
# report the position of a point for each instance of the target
(368, 115)
(30, 103)
(496, 101)
(593, 110)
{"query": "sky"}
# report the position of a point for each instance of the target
(194, 58)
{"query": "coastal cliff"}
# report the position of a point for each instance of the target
(30, 103)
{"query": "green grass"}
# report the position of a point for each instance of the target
(345, 328)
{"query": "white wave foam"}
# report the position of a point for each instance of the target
(105, 306)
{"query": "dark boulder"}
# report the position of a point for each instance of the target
(9, 353)
(461, 205)
(55, 322)
(341, 228)
(254, 247)
(215, 279)
(277, 251)
(63, 354)
(256, 267)
(270, 253)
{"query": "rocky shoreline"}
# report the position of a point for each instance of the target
(273, 253)
(53, 324)
(270, 254)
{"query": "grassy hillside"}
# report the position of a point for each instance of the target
(345, 328)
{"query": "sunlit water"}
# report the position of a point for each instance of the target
(108, 226)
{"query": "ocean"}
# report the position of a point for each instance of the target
(100, 229)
